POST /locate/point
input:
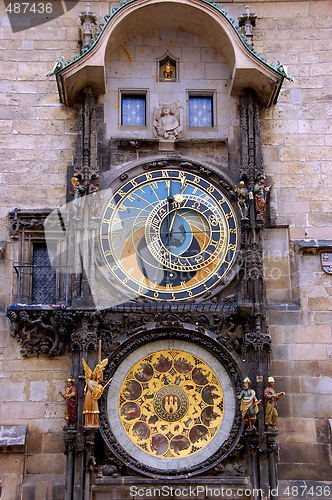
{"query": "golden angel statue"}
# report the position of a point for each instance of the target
(92, 392)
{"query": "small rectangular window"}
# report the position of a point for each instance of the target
(133, 110)
(43, 276)
(200, 111)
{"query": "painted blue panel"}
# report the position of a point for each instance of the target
(133, 110)
(200, 111)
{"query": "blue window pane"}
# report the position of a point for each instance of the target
(133, 110)
(200, 112)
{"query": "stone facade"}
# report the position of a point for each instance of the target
(38, 137)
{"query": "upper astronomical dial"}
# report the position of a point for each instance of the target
(172, 230)
(169, 235)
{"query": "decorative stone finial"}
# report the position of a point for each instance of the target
(248, 21)
(88, 21)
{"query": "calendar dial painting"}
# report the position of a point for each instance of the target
(171, 404)
(171, 408)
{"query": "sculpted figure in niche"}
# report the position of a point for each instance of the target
(168, 123)
(168, 71)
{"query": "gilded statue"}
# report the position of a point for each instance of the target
(92, 392)
(168, 71)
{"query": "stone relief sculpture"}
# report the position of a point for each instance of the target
(270, 404)
(168, 122)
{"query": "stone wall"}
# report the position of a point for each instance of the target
(297, 147)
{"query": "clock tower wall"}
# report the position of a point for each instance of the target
(198, 97)
(166, 101)
(200, 70)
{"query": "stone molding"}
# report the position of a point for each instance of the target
(312, 245)
(13, 438)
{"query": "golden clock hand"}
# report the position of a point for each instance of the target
(179, 199)
(170, 200)
(172, 223)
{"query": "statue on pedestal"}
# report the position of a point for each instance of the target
(260, 193)
(71, 397)
(242, 198)
(92, 392)
(94, 198)
(271, 405)
(78, 191)
(249, 404)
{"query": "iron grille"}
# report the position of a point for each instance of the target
(43, 276)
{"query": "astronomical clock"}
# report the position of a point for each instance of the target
(171, 409)
(169, 235)
(169, 240)
(158, 276)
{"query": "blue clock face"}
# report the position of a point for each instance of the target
(169, 235)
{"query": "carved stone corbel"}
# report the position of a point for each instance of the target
(39, 331)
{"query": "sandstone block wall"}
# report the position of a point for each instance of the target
(296, 135)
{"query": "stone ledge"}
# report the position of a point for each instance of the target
(312, 245)
(12, 438)
(282, 306)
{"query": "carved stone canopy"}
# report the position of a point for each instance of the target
(247, 70)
